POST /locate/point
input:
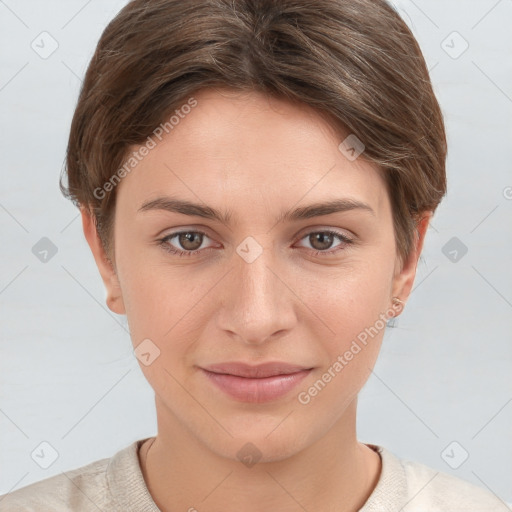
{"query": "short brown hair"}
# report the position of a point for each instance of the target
(354, 61)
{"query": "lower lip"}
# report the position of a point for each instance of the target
(256, 390)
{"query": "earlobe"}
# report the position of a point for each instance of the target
(404, 279)
(114, 299)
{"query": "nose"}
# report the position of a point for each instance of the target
(256, 302)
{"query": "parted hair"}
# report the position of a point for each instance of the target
(354, 61)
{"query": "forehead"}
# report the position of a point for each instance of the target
(247, 146)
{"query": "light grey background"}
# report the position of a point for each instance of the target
(68, 375)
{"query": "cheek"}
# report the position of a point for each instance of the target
(166, 304)
(150, 298)
(156, 308)
(355, 309)
(351, 299)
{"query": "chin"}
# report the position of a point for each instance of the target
(261, 442)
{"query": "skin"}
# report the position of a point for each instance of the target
(255, 157)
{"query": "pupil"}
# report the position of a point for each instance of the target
(324, 238)
(188, 238)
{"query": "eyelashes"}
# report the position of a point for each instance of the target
(165, 243)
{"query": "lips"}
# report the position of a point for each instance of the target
(255, 372)
(262, 383)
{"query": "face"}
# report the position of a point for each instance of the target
(269, 279)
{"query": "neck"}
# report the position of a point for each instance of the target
(334, 473)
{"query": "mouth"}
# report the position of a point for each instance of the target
(256, 384)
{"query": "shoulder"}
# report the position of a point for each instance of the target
(415, 487)
(442, 491)
(87, 488)
(79, 489)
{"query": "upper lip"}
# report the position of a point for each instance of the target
(256, 371)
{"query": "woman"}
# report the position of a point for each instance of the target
(256, 179)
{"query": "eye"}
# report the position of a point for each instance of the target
(323, 240)
(190, 241)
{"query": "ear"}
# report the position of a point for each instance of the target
(404, 278)
(114, 297)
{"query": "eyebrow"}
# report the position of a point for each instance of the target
(174, 205)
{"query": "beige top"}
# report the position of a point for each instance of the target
(117, 484)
